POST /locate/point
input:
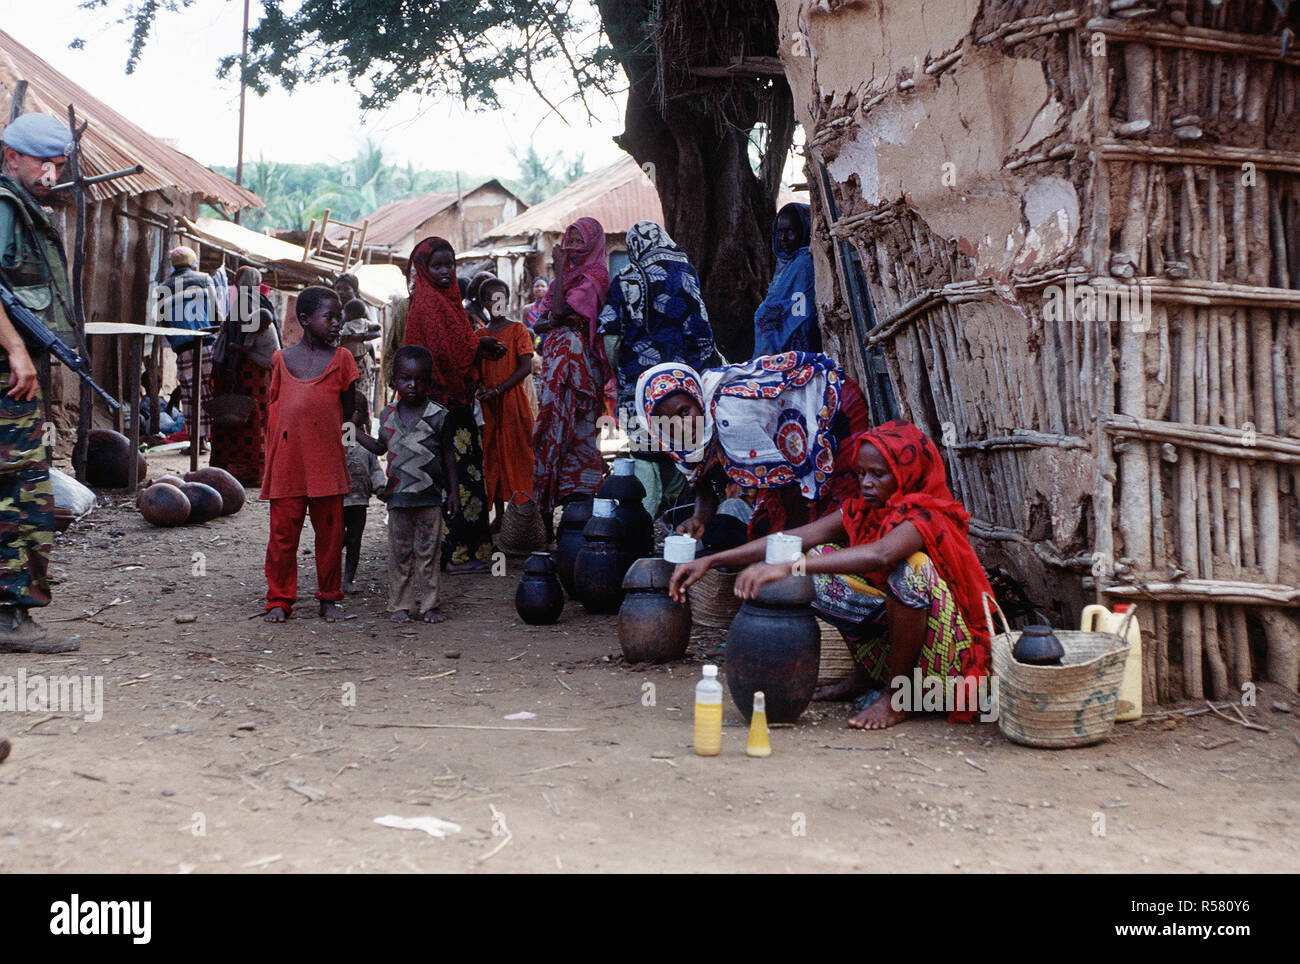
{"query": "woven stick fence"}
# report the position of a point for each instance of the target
(1124, 423)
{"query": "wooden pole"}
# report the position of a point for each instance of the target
(136, 355)
(196, 399)
(243, 65)
(86, 398)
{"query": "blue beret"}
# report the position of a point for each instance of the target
(38, 135)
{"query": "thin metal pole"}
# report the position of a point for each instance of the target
(243, 65)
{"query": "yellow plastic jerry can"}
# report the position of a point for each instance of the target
(1099, 619)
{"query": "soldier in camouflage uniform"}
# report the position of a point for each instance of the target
(32, 264)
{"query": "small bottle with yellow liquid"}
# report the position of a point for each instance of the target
(708, 713)
(758, 745)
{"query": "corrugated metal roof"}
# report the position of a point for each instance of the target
(390, 224)
(395, 220)
(617, 196)
(111, 142)
(260, 246)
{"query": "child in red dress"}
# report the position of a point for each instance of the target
(312, 394)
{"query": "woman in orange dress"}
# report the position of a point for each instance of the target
(507, 415)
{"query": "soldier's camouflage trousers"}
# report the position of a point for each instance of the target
(26, 500)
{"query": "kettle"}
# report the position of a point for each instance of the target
(1038, 646)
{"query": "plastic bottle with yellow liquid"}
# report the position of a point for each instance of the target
(758, 745)
(708, 713)
(1099, 619)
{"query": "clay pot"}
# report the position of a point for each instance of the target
(163, 504)
(205, 502)
(774, 645)
(109, 460)
(1038, 646)
(568, 540)
(638, 526)
(231, 489)
(601, 564)
(652, 628)
(539, 598)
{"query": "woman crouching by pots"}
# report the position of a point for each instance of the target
(779, 424)
(906, 546)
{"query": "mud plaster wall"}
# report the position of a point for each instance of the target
(935, 150)
(980, 157)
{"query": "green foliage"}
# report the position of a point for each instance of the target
(294, 194)
(540, 177)
(459, 48)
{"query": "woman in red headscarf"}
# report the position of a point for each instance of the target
(908, 545)
(571, 384)
(437, 321)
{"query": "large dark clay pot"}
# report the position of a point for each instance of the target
(539, 598)
(109, 459)
(775, 645)
(568, 540)
(638, 526)
(652, 628)
(600, 566)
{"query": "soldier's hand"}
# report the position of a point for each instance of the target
(23, 380)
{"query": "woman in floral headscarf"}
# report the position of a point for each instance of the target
(570, 385)
(437, 321)
(908, 545)
(655, 314)
(780, 424)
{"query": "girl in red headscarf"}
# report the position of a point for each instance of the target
(571, 384)
(908, 545)
(437, 321)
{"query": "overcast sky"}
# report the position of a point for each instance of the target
(175, 94)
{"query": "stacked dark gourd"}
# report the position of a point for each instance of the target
(199, 497)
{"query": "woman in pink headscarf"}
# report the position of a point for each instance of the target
(571, 384)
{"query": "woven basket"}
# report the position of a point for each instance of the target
(1059, 706)
(836, 663)
(661, 532)
(713, 605)
(521, 530)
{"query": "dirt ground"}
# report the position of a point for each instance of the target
(227, 744)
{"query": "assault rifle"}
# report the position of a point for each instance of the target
(35, 333)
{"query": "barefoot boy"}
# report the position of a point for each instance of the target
(421, 466)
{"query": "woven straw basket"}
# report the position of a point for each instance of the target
(713, 605)
(1059, 706)
(836, 663)
(521, 529)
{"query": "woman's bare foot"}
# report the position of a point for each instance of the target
(845, 689)
(400, 616)
(433, 616)
(329, 611)
(276, 614)
(349, 586)
(880, 715)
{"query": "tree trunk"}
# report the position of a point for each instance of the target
(715, 207)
